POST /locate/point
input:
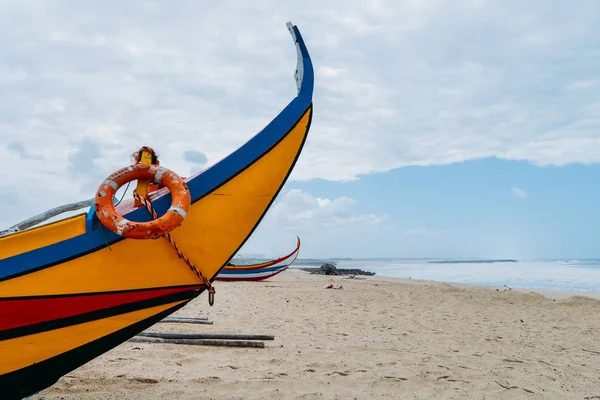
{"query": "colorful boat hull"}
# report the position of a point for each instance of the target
(72, 290)
(258, 272)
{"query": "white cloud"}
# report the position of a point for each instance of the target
(398, 83)
(326, 226)
(298, 209)
(336, 227)
(519, 193)
(424, 232)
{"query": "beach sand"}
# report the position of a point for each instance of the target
(375, 338)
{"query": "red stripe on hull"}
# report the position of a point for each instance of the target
(15, 313)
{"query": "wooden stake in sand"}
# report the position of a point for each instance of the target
(205, 336)
(199, 342)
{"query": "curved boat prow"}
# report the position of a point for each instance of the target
(303, 58)
(71, 290)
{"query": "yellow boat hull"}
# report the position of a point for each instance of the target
(72, 290)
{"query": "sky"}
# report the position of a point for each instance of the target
(441, 129)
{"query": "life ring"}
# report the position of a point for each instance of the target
(115, 222)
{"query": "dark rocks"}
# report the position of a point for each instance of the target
(330, 269)
(327, 269)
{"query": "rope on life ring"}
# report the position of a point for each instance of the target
(115, 222)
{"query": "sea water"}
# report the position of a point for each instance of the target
(565, 275)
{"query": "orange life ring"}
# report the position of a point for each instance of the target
(111, 219)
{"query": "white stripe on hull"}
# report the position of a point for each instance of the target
(250, 274)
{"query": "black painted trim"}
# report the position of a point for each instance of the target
(56, 296)
(39, 376)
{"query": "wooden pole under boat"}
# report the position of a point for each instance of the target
(200, 342)
(205, 336)
(169, 320)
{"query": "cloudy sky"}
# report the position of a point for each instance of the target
(441, 128)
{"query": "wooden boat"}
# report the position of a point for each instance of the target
(72, 289)
(258, 272)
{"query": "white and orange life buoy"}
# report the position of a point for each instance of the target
(111, 219)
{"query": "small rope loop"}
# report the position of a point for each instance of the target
(205, 281)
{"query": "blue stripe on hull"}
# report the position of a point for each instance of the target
(251, 272)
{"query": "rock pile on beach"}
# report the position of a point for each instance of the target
(330, 269)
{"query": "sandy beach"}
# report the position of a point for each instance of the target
(375, 338)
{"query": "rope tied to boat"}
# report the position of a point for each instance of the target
(207, 283)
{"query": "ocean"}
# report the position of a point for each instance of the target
(565, 275)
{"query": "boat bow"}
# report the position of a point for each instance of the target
(71, 290)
